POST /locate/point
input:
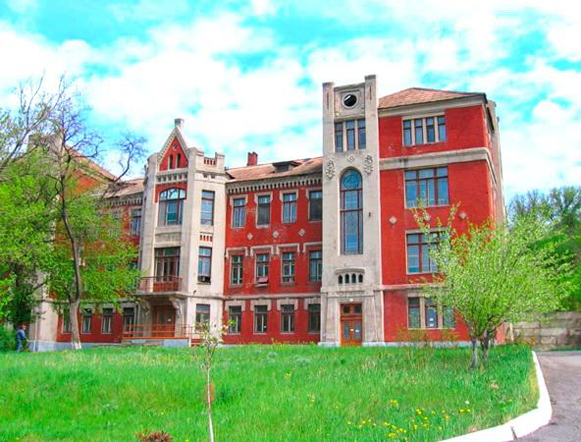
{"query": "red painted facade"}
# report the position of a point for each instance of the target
(470, 184)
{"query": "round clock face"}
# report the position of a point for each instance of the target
(349, 100)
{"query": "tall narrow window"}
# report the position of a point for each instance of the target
(361, 139)
(314, 318)
(430, 130)
(263, 218)
(442, 128)
(338, 137)
(431, 314)
(315, 266)
(107, 321)
(205, 264)
(419, 131)
(87, 318)
(238, 212)
(289, 207)
(178, 160)
(171, 206)
(287, 318)
(235, 319)
(202, 315)
(170, 162)
(288, 267)
(351, 213)
(207, 207)
(128, 318)
(260, 318)
(315, 205)
(167, 263)
(136, 222)
(350, 129)
(414, 314)
(430, 186)
(407, 133)
(236, 269)
(262, 268)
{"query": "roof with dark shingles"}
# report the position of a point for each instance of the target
(268, 170)
(417, 95)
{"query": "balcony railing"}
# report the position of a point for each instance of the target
(158, 284)
(158, 331)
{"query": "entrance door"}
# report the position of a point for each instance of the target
(351, 324)
(164, 318)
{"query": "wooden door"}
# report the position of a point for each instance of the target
(164, 318)
(351, 324)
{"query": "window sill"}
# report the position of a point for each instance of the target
(315, 220)
(435, 328)
(314, 332)
(262, 226)
(235, 286)
(288, 283)
(435, 206)
(205, 282)
(287, 333)
(260, 285)
(429, 143)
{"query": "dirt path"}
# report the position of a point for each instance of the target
(562, 371)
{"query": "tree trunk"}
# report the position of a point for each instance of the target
(74, 320)
(74, 305)
(474, 354)
(209, 403)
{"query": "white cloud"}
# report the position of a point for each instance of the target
(273, 107)
(22, 6)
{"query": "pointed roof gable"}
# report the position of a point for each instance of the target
(417, 95)
(175, 133)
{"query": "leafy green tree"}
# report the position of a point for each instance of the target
(26, 232)
(560, 209)
(491, 275)
(104, 255)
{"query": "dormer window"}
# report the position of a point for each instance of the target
(424, 130)
(284, 166)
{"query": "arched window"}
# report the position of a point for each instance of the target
(170, 162)
(351, 213)
(171, 203)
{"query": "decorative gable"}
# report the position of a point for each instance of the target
(173, 154)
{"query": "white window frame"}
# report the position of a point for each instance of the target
(423, 302)
(424, 129)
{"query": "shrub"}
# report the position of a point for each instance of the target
(154, 436)
(7, 340)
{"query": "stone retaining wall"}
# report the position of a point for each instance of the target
(559, 330)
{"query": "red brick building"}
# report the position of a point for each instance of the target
(321, 249)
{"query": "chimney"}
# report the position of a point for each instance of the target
(179, 123)
(252, 159)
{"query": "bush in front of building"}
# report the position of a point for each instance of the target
(7, 340)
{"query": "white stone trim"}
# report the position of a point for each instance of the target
(312, 245)
(241, 304)
(232, 250)
(287, 301)
(309, 301)
(435, 159)
(256, 302)
(431, 107)
(269, 248)
(231, 199)
(278, 247)
(521, 425)
(266, 184)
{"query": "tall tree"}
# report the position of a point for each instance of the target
(82, 190)
(560, 208)
(491, 275)
(26, 232)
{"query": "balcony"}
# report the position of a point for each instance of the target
(158, 331)
(159, 284)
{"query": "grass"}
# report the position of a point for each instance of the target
(262, 393)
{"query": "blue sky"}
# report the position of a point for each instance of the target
(247, 75)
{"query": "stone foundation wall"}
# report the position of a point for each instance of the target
(559, 330)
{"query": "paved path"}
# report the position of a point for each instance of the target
(562, 371)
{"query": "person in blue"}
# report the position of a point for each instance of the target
(20, 338)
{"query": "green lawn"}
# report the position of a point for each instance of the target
(263, 393)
